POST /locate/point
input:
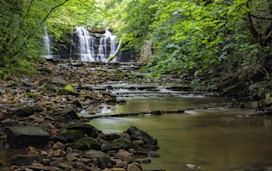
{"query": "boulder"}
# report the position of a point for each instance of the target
(136, 134)
(88, 129)
(103, 160)
(23, 136)
(86, 143)
(69, 136)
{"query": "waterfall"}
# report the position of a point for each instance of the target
(106, 39)
(86, 44)
(47, 41)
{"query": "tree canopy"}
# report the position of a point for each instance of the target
(194, 36)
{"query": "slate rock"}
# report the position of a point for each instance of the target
(24, 136)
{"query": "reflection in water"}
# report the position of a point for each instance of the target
(168, 103)
(214, 139)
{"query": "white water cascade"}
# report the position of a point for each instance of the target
(107, 38)
(47, 42)
(86, 44)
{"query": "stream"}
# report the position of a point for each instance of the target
(209, 134)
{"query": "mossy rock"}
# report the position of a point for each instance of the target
(86, 143)
(88, 129)
(69, 136)
(122, 144)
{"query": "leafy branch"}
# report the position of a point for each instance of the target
(52, 9)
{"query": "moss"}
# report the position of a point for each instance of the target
(70, 135)
(79, 145)
(86, 143)
(124, 143)
(88, 129)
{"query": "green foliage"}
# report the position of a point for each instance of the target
(22, 25)
(199, 36)
(69, 87)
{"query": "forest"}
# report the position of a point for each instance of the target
(189, 37)
(197, 86)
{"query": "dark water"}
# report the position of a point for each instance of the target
(214, 139)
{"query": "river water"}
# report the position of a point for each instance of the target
(210, 135)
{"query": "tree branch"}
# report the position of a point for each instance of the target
(52, 9)
(229, 19)
(28, 8)
(251, 25)
(262, 18)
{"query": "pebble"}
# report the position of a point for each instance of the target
(58, 145)
(133, 167)
(59, 153)
(192, 166)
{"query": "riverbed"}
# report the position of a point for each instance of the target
(209, 134)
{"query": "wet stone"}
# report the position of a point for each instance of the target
(137, 134)
(23, 136)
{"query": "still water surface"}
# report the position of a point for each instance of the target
(214, 139)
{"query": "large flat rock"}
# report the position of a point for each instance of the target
(23, 136)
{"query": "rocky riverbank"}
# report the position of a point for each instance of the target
(39, 113)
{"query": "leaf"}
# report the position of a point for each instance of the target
(69, 87)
